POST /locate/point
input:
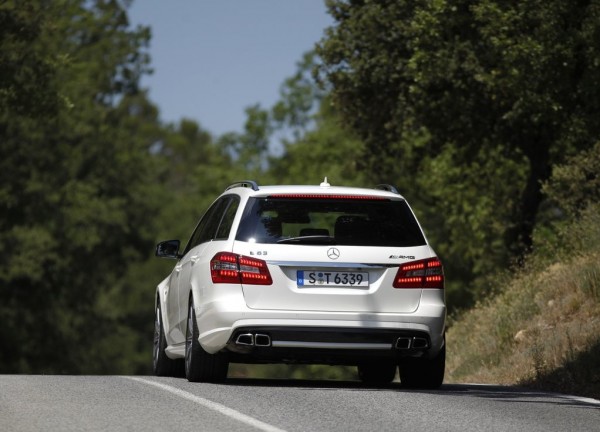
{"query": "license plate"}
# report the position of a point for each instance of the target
(332, 279)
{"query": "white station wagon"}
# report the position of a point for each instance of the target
(303, 274)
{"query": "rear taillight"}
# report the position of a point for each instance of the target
(227, 267)
(224, 268)
(427, 273)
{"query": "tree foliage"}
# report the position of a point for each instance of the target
(575, 184)
(73, 178)
(315, 143)
(328, 150)
(90, 181)
(476, 100)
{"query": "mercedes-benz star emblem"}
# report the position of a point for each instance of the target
(333, 253)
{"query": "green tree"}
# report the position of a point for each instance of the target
(195, 169)
(285, 122)
(74, 175)
(250, 149)
(300, 139)
(446, 85)
(300, 99)
(575, 184)
(325, 150)
(314, 142)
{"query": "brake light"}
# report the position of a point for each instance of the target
(427, 273)
(227, 267)
(328, 196)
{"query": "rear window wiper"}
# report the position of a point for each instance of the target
(313, 239)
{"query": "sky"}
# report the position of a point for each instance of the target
(214, 58)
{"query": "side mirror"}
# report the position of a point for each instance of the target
(168, 249)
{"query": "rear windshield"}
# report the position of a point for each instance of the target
(329, 221)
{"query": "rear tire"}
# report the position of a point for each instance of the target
(201, 366)
(161, 364)
(376, 373)
(424, 373)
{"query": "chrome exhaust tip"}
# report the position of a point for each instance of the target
(262, 340)
(246, 339)
(420, 343)
(403, 343)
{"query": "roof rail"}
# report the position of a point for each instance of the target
(387, 187)
(244, 183)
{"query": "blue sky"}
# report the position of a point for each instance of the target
(214, 58)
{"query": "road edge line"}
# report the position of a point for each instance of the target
(222, 409)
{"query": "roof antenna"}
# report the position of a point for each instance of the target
(325, 184)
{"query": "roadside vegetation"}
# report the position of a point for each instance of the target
(484, 115)
(540, 325)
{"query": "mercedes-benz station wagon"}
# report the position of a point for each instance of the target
(303, 274)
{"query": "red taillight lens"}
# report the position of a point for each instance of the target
(427, 273)
(254, 271)
(226, 267)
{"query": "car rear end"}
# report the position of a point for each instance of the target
(328, 275)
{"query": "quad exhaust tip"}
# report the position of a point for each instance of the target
(245, 339)
(420, 342)
(262, 340)
(405, 342)
(250, 339)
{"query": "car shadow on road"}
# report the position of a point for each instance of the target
(485, 391)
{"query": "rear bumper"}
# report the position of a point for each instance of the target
(320, 337)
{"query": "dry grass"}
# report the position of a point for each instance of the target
(543, 330)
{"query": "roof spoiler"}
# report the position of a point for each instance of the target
(244, 183)
(387, 187)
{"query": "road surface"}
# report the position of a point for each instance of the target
(121, 403)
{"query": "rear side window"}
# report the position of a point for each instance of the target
(357, 222)
(216, 222)
(227, 220)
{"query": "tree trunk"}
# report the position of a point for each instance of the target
(519, 238)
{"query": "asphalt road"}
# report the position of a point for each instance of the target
(119, 403)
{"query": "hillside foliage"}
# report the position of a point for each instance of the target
(542, 329)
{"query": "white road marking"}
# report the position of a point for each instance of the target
(222, 409)
(538, 392)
